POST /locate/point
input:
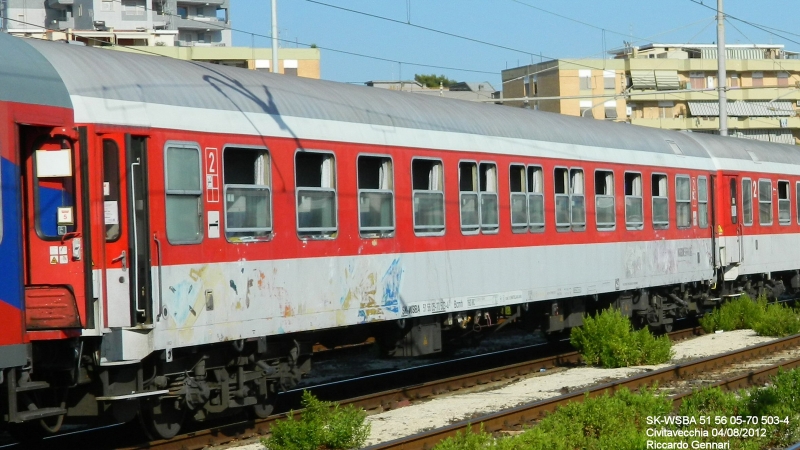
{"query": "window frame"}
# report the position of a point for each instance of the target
(701, 202)
(489, 228)
(417, 231)
(518, 227)
(536, 228)
(268, 188)
(661, 225)
(771, 212)
(562, 226)
(112, 188)
(328, 233)
(605, 226)
(750, 200)
(476, 191)
(683, 202)
(376, 232)
(787, 201)
(199, 194)
(634, 226)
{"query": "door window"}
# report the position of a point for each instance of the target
(54, 190)
(111, 202)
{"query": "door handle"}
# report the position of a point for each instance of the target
(122, 257)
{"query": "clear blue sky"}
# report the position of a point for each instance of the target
(507, 23)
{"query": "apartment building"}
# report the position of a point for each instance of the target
(670, 86)
(196, 30)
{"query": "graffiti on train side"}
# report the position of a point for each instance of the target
(362, 287)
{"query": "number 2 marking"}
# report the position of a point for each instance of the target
(211, 162)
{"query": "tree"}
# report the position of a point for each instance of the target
(433, 80)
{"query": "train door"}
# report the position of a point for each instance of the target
(729, 228)
(127, 253)
(52, 204)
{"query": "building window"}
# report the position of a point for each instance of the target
(184, 194)
(248, 197)
(747, 202)
(783, 79)
(570, 199)
(535, 199)
(585, 78)
(182, 12)
(634, 208)
(683, 201)
(665, 110)
(290, 67)
(660, 202)
(519, 200)
(702, 202)
(201, 37)
(490, 220)
(132, 8)
(765, 202)
(586, 108)
(697, 80)
(610, 109)
(375, 196)
(604, 199)
(758, 79)
(735, 80)
(609, 80)
(427, 190)
(784, 203)
(315, 178)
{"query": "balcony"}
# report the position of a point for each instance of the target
(201, 2)
(764, 93)
(60, 4)
(198, 44)
(201, 23)
(712, 123)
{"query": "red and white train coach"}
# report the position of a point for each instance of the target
(176, 235)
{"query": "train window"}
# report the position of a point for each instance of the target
(427, 190)
(577, 206)
(797, 200)
(490, 221)
(702, 202)
(660, 202)
(54, 188)
(468, 196)
(111, 201)
(315, 178)
(184, 194)
(683, 201)
(535, 198)
(747, 201)
(246, 176)
(604, 199)
(519, 201)
(375, 196)
(634, 202)
(561, 186)
(765, 202)
(784, 203)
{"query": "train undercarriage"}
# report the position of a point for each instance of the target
(68, 383)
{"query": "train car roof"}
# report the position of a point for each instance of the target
(104, 74)
(94, 73)
(26, 76)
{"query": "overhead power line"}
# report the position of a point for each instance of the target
(752, 24)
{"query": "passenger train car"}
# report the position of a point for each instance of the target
(177, 235)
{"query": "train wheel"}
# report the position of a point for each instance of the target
(265, 407)
(161, 418)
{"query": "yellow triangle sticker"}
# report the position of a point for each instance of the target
(719, 230)
(54, 260)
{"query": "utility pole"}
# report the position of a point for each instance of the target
(722, 84)
(275, 36)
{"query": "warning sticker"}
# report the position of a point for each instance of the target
(62, 250)
(54, 260)
(62, 259)
(53, 250)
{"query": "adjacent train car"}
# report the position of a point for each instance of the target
(177, 235)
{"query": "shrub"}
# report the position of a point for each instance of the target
(608, 340)
(778, 320)
(321, 425)
(468, 441)
(739, 313)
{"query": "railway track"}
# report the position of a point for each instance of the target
(514, 418)
(389, 399)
